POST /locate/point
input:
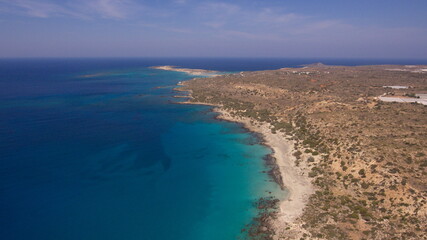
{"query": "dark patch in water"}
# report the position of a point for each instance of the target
(261, 226)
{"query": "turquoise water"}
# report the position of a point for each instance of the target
(95, 150)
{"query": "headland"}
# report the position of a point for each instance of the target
(195, 72)
(354, 164)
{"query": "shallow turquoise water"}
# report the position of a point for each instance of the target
(111, 156)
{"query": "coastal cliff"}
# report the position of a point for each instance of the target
(353, 164)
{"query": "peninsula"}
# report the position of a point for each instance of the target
(354, 163)
(196, 72)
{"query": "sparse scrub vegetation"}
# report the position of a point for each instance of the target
(366, 158)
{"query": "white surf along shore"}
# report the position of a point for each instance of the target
(295, 178)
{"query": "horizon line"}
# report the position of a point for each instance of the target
(216, 57)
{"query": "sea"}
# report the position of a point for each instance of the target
(99, 149)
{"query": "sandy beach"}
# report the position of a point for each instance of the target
(295, 178)
(195, 72)
(337, 179)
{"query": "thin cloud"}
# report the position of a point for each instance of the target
(39, 9)
(321, 26)
(215, 24)
(224, 16)
(218, 9)
(178, 30)
(218, 15)
(270, 16)
(112, 9)
(118, 9)
(180, 1)
(251, 36)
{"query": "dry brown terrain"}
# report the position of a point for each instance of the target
(367, 158)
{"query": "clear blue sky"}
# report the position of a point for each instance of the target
(189, 28)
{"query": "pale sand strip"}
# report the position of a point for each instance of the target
(196, 72)
(295, 178)
(403, 99)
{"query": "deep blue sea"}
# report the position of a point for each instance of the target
(97, 149)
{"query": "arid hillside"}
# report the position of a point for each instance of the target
(367, 158)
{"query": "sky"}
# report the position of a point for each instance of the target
(189, 28)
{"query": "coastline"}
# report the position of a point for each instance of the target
(294, 179)
(195, 72)
(349, 191)
(291, 178)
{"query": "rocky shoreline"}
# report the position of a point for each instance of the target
(326, 127)
(275, 215)
(285, 215)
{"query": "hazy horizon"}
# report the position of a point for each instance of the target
(315, 59)
(213, 29)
